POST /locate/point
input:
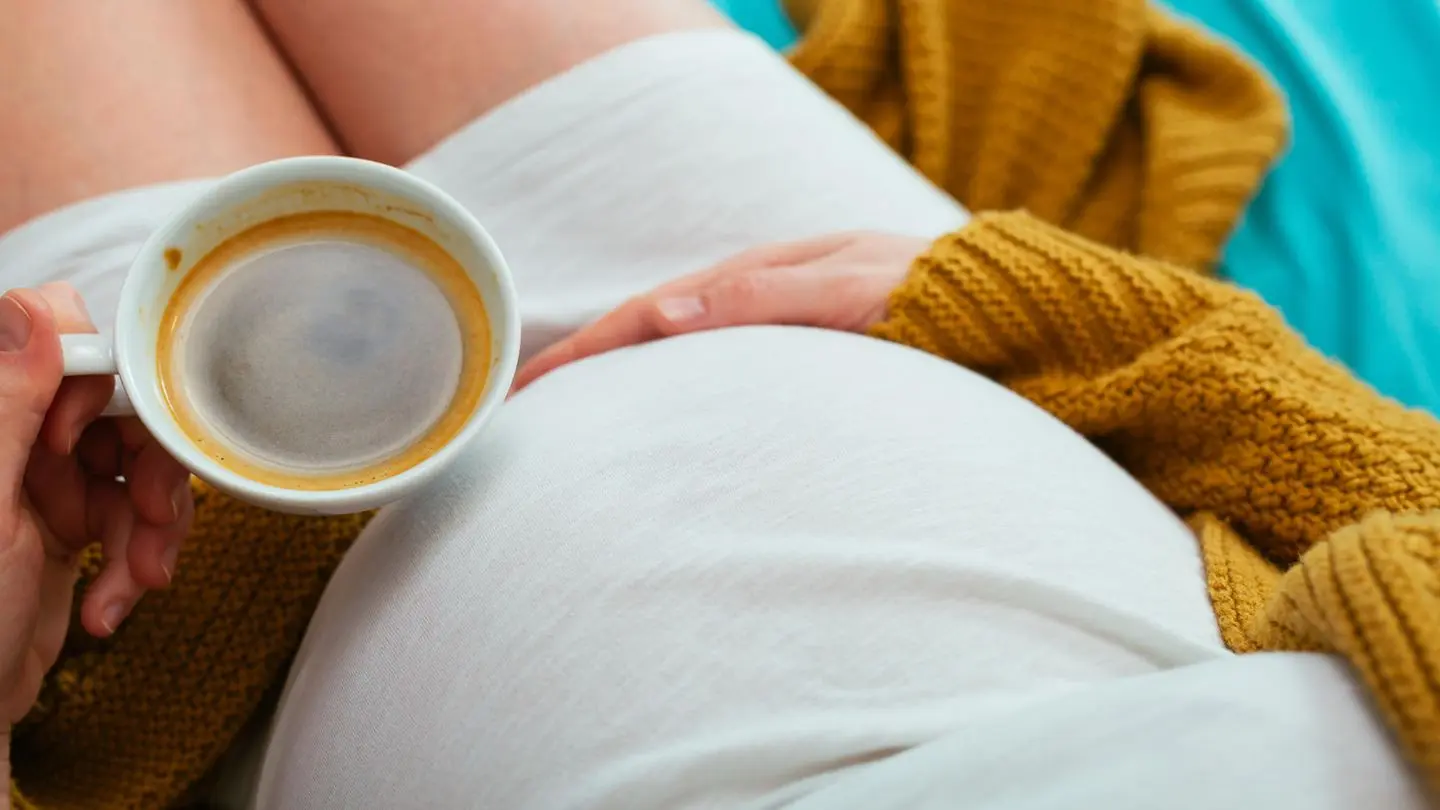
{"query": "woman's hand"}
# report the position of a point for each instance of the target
(59, 493)
(837, 282)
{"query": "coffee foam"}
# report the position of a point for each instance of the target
(324, 350)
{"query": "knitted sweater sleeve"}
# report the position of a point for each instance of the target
(1281, 460)
(1196, 387)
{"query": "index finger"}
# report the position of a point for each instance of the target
(634, 322)
(58, 484)
(80, 399)
(30, 373)
(645, 318)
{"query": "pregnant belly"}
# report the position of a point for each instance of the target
(770, 547)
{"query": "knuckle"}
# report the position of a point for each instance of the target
(851, 286)
(744, 288)
(68, 307)
(755, 258)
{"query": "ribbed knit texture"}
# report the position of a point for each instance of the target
(1281, 459)
(1102, 117)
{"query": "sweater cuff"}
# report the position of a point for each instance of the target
(1010, 295)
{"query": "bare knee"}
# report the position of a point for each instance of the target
(101, 97)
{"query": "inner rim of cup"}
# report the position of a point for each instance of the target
(279, 189)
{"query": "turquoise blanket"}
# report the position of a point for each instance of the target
(1343, 236)
(764, 18)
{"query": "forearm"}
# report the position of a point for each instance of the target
(1197, 388)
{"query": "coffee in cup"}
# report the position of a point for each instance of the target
(316, 335)
(323, 350)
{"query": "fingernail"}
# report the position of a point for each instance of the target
(167, 561)
(113, 614)
(678, 310)
(14, 325)
(79, 303)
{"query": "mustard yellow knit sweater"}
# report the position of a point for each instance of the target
(1309, 494)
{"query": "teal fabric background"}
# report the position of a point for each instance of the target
(764, 18)
(1343, 236)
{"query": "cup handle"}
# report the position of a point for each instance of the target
(90, 355)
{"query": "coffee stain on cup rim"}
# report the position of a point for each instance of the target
(173, 257)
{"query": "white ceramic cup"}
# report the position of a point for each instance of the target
(259, 194)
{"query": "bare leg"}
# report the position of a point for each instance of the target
(96, 97)
(395, 78)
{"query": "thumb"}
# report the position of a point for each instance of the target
(31, 369)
